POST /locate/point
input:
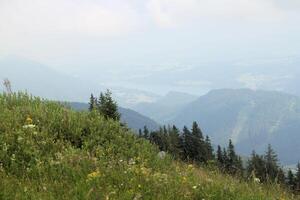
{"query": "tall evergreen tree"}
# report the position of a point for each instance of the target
(280, 176)
(291, 181)
(196, 131)
(187, 144)
(174, 139)
(146, 132)
(199, 149)
(92, 104)
(297, 178)
(271, 164)
(108, 107)
(232, 164)
(209, 149)
(220, 158)
(140, 133)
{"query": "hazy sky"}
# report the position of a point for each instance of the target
(157, 45)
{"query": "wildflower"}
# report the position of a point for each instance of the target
(256, 180)
(19, 139)
(195, 187)
(29, 126)
(28, 120)
(161, 154)
(190, 166)
(139, 186)
(93, 175)
(131, 162)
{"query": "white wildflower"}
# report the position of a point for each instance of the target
(161, 154)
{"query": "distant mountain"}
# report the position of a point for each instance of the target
(133, 119)
(165, 107)
(252, 119)
(41, 80)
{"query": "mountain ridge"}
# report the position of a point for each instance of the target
(252, 119)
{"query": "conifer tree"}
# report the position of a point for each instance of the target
(196, 131)
(187, 144)
(140, 133)
(291, 181)
(209, 149)
(108, 107)
(92, 105)
(297, 178)
(220, 158)
(146, 132)
(225, 160)
(174, 139)
(280, 176)
(271, 164)
(232, 165)
(256, 167)
(198, 151)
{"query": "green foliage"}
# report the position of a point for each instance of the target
(50, 152)
(105, 105)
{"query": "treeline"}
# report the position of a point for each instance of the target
(190, 145)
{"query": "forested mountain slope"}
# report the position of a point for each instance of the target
(252, 119)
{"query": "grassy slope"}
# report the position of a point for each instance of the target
(46, 162)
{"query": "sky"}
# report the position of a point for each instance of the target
(158, 45)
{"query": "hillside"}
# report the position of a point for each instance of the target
(252, 119)
(133, 119)
(50, 152)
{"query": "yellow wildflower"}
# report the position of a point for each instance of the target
(28, 120)
(190, 166)
(93, 175)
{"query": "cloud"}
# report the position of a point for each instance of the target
(257, 81)
(67, 17)
(170, 13)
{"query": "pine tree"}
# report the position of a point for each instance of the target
(92, 105)
(198, 151)
(239, 166)
(232, 165)
(187, 144)
(291, 181)
(220, 158)
(209, 149)
(280, 176)
(146, 132)
(297, 178)
(174, 139)
(225, 160)
(196, 131)
(140, 133)
(271, 164)
(108, 107)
